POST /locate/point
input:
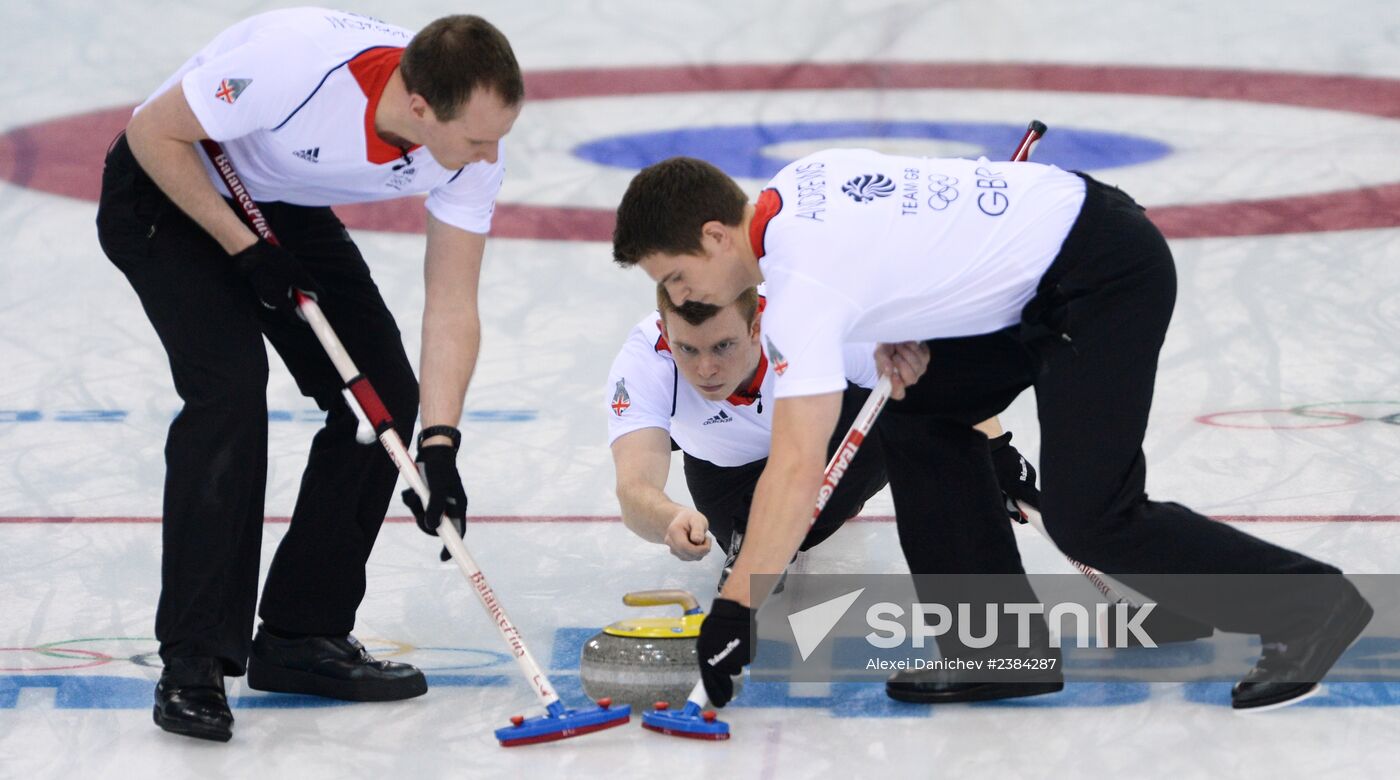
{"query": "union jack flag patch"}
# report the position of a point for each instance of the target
(621, 400)
(230, 89)
(775, 357)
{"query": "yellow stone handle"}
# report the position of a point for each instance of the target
(659, 598)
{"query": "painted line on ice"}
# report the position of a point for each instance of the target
(527, 519)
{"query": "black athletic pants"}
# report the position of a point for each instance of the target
(212, 327)
(1088, 344)
(724, 494)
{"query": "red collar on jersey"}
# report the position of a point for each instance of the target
(747, 395)
(373, 69)
(770, 202)
(744, 396)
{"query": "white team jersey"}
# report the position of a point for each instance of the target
(646, 390)
(857, 246)
(291, 96)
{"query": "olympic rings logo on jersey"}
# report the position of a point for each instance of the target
(1306, 416)
(945, 184)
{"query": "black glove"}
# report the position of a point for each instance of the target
(724, 648)
(273, 272)
(446, 497)
(1015, 476)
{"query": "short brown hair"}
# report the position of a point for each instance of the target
(668, 203)
(452, 57)
(697, 313)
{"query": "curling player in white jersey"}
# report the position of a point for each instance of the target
(315, 108)
(1015, 275)
(694, 378)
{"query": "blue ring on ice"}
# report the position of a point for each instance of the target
(743, 150)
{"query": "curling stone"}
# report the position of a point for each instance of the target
(645, 660)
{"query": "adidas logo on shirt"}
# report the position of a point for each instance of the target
(722, 417)
(309, 155)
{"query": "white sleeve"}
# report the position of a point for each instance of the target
(804, 327)
(468, 201)
(641, 388)
(255, 86)
(860, 364)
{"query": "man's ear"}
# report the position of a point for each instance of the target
(419, 107)
(757, 326)
(714, 236)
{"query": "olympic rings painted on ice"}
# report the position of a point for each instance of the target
(1393, 418)
(47, 648)
(98, 659)
(1305, 416)
(149, 660)
(63, 650)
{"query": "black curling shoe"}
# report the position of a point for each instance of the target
(190, 699)
(1289, 671)
(333, 667)
(938, 687)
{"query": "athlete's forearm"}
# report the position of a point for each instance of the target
(451, 323)
(451, 341)
(157, 137)
(646, 509)
(642, 460)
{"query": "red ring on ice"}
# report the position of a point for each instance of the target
(64, 156)
(1335, 419)
(98, 659)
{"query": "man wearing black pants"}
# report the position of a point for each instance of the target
(314, 108)
(210, 323)
(1015, 275)
(1088, 344)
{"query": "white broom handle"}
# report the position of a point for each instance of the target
(1095, 578)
